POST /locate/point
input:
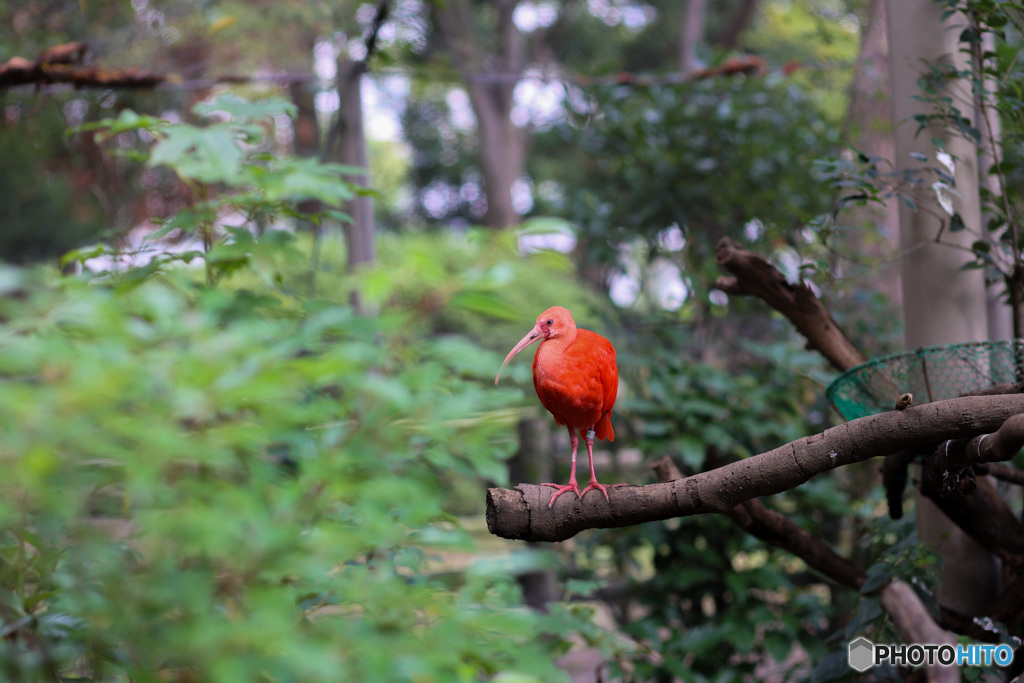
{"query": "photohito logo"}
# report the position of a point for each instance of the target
(863, 654)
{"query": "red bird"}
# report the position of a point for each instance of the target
(576, 380)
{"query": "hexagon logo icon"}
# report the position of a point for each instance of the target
(862, 654)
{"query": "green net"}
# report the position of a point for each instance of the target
(934, 373)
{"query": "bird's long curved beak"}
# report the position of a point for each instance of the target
(534, 335)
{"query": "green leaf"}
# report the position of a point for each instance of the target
(489, 304)
(970, 35)
(83, 254)
(298, 179)
(833, 666)
(878, 575)
(238, 108)
(778, 645)
(209, 155)
(126, 121)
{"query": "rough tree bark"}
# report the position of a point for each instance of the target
(490, 79)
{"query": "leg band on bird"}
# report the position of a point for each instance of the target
(590, 434)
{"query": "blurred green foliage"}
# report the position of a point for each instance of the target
(198, 486)
(707, 157)
(236, 482)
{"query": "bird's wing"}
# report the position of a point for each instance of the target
(598, 353)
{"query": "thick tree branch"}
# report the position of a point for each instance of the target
(18, 71)
(754, 276)
(1007, 473)
(775, 528)
(523, 513)
(948, 479)
(954, 461)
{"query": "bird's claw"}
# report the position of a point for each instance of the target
(574, 487)
(603, 488)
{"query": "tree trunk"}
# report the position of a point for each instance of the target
(691, 36)
(729, 37)
(533, 464)
(304, 129)
(876, 233)
(306, 141)
(941, 303)
(502, 150)
(1000, 320)
(490, 78)
(351, 150)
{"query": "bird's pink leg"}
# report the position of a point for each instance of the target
(593, 476)
(574, 439)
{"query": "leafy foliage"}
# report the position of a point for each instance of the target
(200, 487)
(238, 483)
(706, 158)
(892, 551)
(226, 163)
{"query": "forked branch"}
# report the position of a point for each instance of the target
(752, 275)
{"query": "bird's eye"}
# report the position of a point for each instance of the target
(550, 322)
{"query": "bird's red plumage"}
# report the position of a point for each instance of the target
(578, 381)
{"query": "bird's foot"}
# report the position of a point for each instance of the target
(571, 486)
(603, 488)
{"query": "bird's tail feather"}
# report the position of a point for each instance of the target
(603, 428)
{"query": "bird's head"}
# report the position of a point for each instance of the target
(554, 323)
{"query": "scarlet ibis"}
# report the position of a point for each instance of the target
(576, 379)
